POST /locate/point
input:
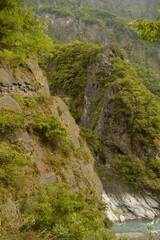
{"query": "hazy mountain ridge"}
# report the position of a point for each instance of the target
(73, 20)
(124, 8)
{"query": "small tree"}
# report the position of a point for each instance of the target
(21, 34)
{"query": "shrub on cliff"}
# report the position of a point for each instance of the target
(49, 129)
(10, 121)
(13, 177)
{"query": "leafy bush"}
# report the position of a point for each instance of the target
(66, 215)
(25, 102)
(10, 121)
(154, 165)
(132, 170)
(12, 174)
(49, 129)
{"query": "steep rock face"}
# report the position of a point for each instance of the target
(115, 133)
(117, 141)
(128, 206)
(14, 80)
(66, 29)
(24, 94)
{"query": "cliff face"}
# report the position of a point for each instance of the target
(38, 132)
(118, 141)
(124, 116)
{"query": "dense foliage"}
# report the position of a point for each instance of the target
(21, 34)
(150, 78)
(13, 177)
(68, 70)
(136, 104)
(140, 110)
(149, 30)
(48, 128)
(10, 121)
(60, 214)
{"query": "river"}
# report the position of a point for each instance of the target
(138, 227)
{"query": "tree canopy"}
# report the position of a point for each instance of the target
(149, 30)
(21, 34)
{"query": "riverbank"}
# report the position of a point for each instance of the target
(140, 229)
(137, 236)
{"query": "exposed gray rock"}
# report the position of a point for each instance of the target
(91, 93)
(47, 178)
(7, 102)
(12, 210)
(39, 76)
(6, 79)
(66, 118)
(62, 27)
(126, 206)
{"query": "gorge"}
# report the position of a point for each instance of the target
(79, 121)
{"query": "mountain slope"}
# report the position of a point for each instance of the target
(99, 22)
(41, 147)
(113, 103)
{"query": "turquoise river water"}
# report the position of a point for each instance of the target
(140, 226)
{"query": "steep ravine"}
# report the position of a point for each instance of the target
(114, 96)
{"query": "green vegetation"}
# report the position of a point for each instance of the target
(137, 173)
(25, 102)
(39, 212)
(21, 34)
(140, 110)
(107, 18)
(68, 70)
(58, 11)
(54, 212)
(136, 105)
(132, 170)
(66, 215)
(133, 104)
(154, 166)
(149, 78)
(13, 177)
(90, 139)
(122, 8)
(149, 30)
(10, 121)
(49, 129)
